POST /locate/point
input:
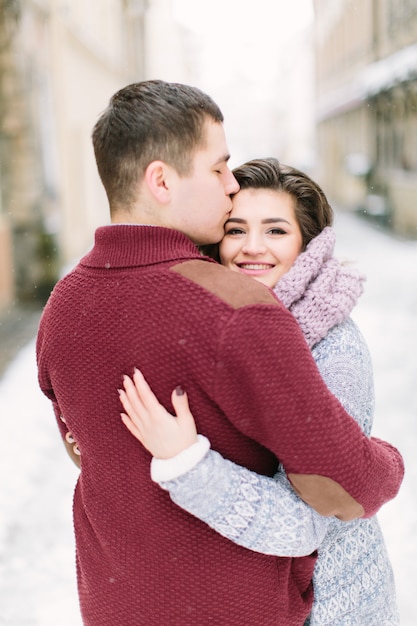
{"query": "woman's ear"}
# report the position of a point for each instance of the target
(157, 176)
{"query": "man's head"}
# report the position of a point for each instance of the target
(154, 122)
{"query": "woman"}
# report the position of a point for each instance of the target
(279, 233)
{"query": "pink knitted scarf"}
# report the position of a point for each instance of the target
(318, 290)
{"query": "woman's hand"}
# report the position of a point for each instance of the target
(162, 434)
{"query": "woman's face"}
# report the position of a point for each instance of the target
(262, 237)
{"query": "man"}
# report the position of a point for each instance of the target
(145, 297)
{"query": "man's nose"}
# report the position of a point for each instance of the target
(231, 186)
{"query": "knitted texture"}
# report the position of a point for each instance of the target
(318, 290)
(140, 558)
(353, 578)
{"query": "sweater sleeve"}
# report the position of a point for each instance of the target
(261, 513)
(287, 407)
(256, 512)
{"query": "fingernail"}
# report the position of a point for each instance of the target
(120, 391)
(179, 391)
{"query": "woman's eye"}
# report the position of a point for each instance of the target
(234, 231)
(276, 231)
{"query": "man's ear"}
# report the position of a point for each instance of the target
(157, 176)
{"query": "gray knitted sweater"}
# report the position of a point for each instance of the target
(353, 579)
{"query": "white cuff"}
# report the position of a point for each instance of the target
(169, 469)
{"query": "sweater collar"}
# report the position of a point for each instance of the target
(130, 245)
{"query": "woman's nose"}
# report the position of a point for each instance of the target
(254, 246)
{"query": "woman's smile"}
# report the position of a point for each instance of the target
(262, 236)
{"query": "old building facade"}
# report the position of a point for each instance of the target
(366, 63)
(60, 62)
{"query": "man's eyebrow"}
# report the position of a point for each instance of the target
(223, 159)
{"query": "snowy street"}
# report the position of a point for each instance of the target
(37, 570)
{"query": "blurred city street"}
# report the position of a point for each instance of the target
(37, 570)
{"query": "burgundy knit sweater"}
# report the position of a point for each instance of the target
(144, 297)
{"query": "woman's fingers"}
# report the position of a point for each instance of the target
(145, 393)
(147, 419)
(134, 410)
(133, 395)
(179, 401)
(185, 419)
(130, 425)
(132, 420)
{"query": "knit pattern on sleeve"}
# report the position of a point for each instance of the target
(353, 578)
(254, 511)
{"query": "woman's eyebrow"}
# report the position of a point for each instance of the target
(268, 220)
(236, 220)
(273, 220)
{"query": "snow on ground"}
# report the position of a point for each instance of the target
(37, 571)
(387, 316)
